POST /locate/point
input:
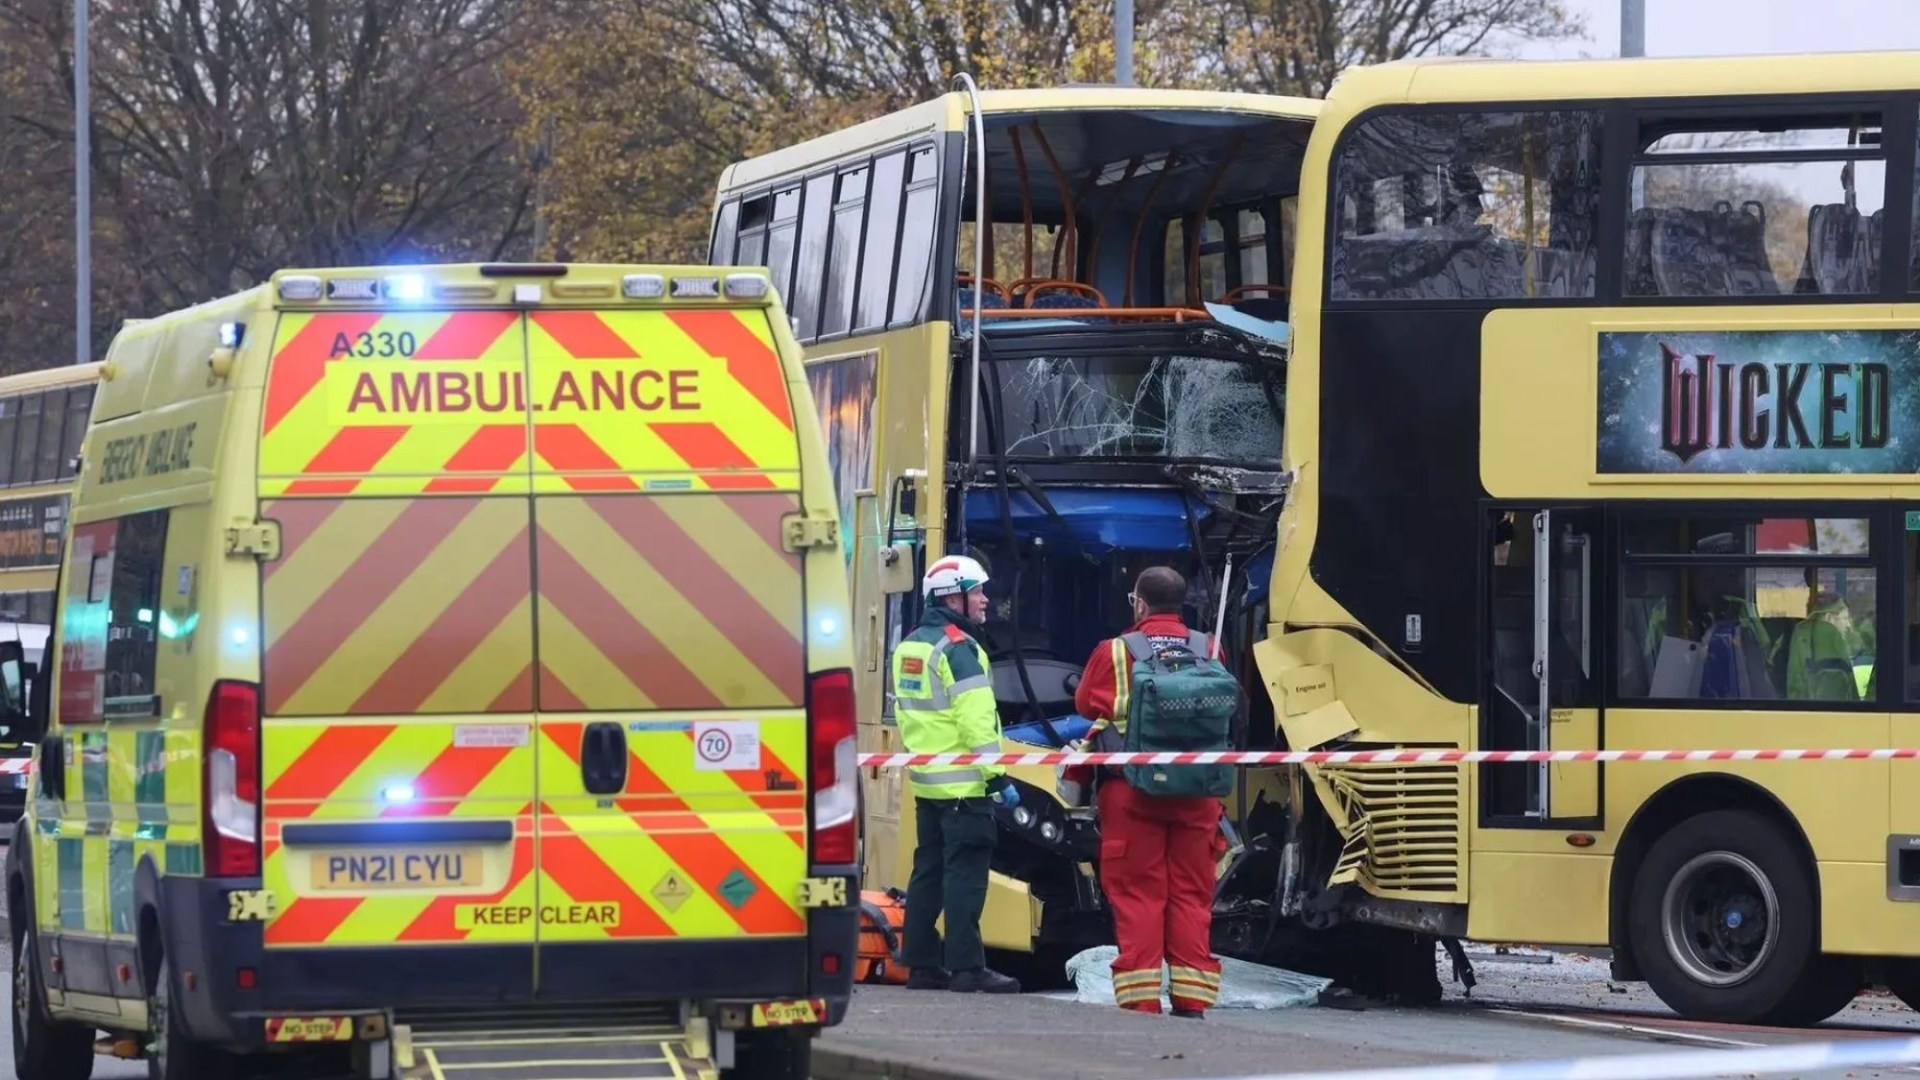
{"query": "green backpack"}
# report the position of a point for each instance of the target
(1180, 701)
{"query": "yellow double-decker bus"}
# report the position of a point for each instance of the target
(1603, 431)
(43, 418)
(1097, 388)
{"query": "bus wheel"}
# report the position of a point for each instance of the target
(43, 1049)
(1724, 922)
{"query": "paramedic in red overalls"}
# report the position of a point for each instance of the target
(1156, 854)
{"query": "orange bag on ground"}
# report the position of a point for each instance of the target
(883, 917)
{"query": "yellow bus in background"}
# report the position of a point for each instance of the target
(43, 418)
(1603, 431)
(1097, 389)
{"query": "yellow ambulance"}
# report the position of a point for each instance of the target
(451, 664)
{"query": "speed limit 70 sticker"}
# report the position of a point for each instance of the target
(726, 746)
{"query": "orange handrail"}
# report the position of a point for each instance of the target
(1175, 314)
(1026, 197)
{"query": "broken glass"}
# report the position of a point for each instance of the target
(1166, 406)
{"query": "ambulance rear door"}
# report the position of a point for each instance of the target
(672, 673)
(398, 745)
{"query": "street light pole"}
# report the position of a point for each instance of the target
(1123, 42)
(1633, 27)
(82, 186)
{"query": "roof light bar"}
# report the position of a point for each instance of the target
(700, 288)
(301, 287)
(406, 288)
(643, 286)
(746, 286)
(353, 289)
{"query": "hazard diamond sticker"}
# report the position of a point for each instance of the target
(672, 891)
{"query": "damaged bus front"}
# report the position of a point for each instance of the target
(1047, 329)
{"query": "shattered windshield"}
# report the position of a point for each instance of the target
(1163, 406)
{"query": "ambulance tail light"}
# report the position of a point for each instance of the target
(834, 767)
(231, 760)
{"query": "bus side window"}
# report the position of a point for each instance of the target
(1446, 205)
(1913, 273)
(879, 247)
(919, 229)
(1751, 208)
(726, 231)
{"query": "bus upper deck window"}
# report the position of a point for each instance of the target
(1445, 205)
(1757, 210)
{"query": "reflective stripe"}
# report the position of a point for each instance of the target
(965, 775)
(986, 748)
(917, 704)
(977, 682)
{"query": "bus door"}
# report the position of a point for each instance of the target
(1542, 657)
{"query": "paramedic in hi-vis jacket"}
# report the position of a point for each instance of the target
(1156, 854)
(944, 702)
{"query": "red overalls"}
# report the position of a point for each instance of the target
(1156, 862)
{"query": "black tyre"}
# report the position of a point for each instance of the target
(771, 1055)
(43, 1048)
(174, 1055)
(1725, 924)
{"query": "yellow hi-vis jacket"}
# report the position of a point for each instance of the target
(943, 700)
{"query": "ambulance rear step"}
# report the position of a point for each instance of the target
(589, 1042)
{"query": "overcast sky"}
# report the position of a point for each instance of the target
(1723, 27)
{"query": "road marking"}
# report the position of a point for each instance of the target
(1655, 1031)
(1635, 1029)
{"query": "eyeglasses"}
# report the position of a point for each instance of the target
(1133, 598)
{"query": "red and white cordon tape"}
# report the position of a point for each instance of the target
(1377, 757)
(16, 765)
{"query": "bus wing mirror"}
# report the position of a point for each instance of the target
(896, 569)
(13, 688)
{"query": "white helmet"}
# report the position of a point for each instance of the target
(954, 575)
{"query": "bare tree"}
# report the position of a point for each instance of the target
(236, 137)
(1300, 46)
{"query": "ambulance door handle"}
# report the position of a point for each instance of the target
(603, 758)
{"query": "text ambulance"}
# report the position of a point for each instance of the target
(463, 639)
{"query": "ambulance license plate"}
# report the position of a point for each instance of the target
(398, 868)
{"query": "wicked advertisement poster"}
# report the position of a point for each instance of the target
(1761, 402)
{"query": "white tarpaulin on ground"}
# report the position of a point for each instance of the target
(1242, 985)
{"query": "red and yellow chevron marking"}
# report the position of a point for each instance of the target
(450, 403)
(333, 771)
(668, 602)
(399, 606)
(395, 404)
(681, 853)
(737, 849)
(693, 398)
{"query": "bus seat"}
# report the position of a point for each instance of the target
(1064, 296)
(995, 296)
(1741, 236)
(1413, 264)
(1684, 259)
(1837, 260)
(1637, 273)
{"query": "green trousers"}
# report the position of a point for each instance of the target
(950, 862)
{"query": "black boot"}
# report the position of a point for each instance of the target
(982, 980)
(929, 979)
(1190, 1014)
